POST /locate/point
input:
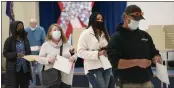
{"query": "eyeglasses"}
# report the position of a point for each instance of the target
(137, 13)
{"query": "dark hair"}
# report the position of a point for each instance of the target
(15, 25)
(93, 23)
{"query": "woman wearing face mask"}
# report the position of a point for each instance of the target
(92, 46)
(15, 47)
(51, 49)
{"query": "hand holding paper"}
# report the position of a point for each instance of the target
(157, 59)
(105, 62)
(63, 64)
(51, 60)
(162, 73)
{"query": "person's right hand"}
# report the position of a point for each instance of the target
(144, 63)
(51, 60)
(102, 52)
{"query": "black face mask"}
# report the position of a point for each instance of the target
(100, 25)
(19, 32)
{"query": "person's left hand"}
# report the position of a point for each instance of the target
(72, 59)
(158, 59)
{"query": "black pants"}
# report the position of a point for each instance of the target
(22, 79)
(62, 85)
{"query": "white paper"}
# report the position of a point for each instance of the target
(63, 64)
(162, 73)
(31, 57)
(34, 48)
(105, 62)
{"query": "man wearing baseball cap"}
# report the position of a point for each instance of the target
(131, 51)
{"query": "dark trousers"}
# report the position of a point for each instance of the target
(22, 79)
(112, 82)
(62, 85)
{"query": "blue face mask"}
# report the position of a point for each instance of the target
(56, 35)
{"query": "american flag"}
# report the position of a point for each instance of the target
(72, 10)
(9, 10)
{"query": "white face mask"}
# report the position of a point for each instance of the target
(56, 34)
(133, 24)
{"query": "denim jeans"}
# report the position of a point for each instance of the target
(99, 78)
(36, 70)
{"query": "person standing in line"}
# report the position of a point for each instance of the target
(50, 51)
(131, 52)
(36, 36)
(18, 71)
(91, 47)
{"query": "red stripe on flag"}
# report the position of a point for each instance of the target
(83, 25)
(60, 4)
(61, 8)
(69, 30)
(92, 4)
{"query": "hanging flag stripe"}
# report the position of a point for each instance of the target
(9, 10)
(10, 13)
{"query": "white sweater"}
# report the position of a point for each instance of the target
(88, 47)
(49, 49)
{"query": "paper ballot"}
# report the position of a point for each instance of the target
(63, 64)
(105, 62)
(162, 73)
(34, 48)
(31, 57)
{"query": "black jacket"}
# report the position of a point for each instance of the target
(10, 54)
(127, 44)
